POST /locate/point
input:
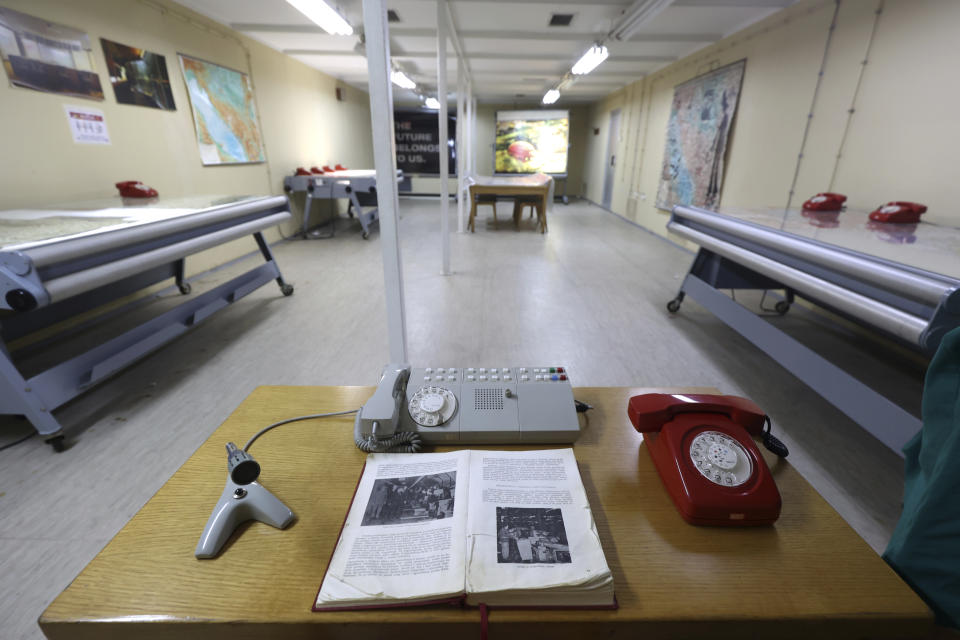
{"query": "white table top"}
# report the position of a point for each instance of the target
(927, 246)
(534, 180)
(22, 227)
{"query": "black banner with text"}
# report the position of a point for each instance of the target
(416, 139)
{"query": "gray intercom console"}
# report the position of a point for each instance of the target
(470, 405)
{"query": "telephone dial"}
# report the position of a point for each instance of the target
(467, 405)
(898, 212)
(825, 202)
(702, 446)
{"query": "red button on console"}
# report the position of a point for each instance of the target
(559, 369)
(563, 376)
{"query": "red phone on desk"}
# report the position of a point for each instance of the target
(825, 202)
(135, 189)
(898, 211)
(703, 448)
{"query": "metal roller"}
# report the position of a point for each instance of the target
(89, 279)
(923, 287)
(57, 251)
(885, 317)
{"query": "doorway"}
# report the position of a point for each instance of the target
(611, 158)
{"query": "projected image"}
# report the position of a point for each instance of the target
(532, 141)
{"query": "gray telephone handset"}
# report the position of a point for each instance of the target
(467, 405)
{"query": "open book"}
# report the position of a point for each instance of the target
(510, 528)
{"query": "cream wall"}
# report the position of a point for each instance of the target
(301, 121)
(902, 134)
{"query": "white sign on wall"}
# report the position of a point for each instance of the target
(87, 125)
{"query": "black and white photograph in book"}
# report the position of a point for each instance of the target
(411, 499)
(531, 535)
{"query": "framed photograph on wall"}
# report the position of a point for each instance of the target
(46, 56)
(138, 76)
(224, 113)
(700, 118)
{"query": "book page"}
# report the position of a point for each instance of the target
(404, 536)
(530, 525)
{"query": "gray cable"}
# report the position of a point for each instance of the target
(297, 419)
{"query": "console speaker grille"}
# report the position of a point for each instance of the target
(488, 399)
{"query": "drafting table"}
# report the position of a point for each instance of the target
(56, 264)
(900, 280)
(359, 186)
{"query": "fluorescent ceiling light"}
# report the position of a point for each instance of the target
(432, 103)
(400, 79)
(637, 14)
(324, 15)
(589, 61)
(551, 96)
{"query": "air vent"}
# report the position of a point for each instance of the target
(488, 399)
(392, 16)
(561, 19)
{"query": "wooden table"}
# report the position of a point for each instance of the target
(537, 186)
(807, 576)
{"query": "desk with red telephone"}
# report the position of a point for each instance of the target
(703, 448)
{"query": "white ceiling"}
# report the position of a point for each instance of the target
(512, 52)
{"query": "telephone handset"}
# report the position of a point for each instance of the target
(825, 202)
(702, 446)
(467, 405)
(898, 211)
(135, 189)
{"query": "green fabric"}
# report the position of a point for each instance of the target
(925, 547)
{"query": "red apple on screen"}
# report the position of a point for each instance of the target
(521, 150)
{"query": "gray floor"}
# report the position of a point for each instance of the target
(590, 295)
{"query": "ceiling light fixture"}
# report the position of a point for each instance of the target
(638, 13)
(323, 15)
(400, 79)
(551, 96)
(432, 103)
(590, 60)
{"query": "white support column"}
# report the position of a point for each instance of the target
(461, 158)
(473, 135)
(385, 163)
(442, 115)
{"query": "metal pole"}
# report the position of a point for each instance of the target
(385, 163)
(473, 133)
(461, 164)
(442, 116)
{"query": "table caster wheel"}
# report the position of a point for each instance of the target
(365, 235)
(287, 289)
(673, 306)
(185, 288)
(782, 307)
(58, 443)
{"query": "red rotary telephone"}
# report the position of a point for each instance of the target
(825, 201)
(135, 189)
(702, 446)
(898, 211)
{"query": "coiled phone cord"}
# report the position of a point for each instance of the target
(400, 442)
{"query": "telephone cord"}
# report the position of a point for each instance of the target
(253, 439)
(402, 442)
